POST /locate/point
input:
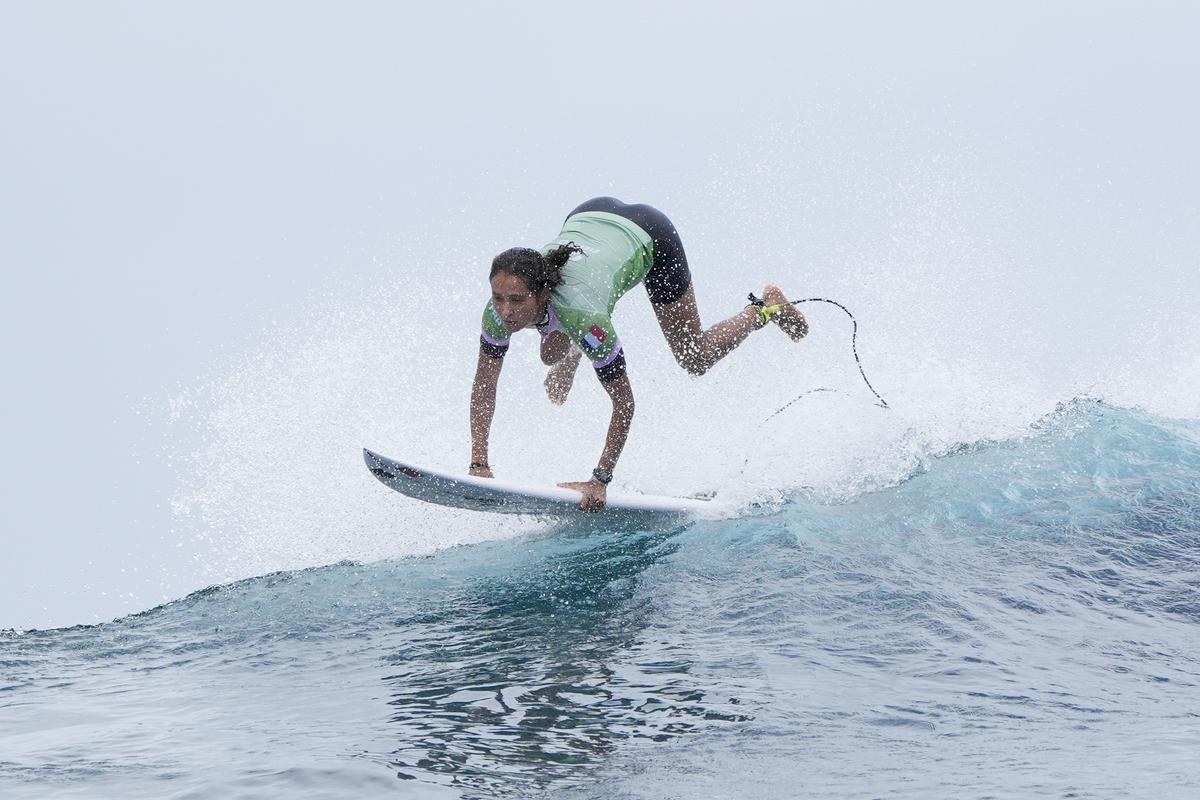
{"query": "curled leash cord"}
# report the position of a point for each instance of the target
(853, 348)
(796, 399)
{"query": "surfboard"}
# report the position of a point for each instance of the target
(504, 497)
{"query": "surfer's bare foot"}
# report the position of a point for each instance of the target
(559, 379)
(789, 317)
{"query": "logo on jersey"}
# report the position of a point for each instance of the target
(594, 338)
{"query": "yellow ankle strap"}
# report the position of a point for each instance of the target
(766, 313)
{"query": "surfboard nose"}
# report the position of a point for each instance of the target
(386, 469)
(377, 464)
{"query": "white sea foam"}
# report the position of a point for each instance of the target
(961, 330)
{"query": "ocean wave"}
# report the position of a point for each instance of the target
(1024, 587)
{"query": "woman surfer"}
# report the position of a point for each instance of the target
(567, 291)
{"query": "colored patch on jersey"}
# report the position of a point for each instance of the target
(594, 338)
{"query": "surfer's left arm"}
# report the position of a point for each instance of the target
(555, 347)
(595, 493)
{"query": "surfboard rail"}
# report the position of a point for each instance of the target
(506, 497)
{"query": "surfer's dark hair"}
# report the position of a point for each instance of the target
(537, 270)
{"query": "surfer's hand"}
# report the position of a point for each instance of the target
(481, 472)
(595, 494)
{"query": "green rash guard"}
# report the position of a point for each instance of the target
(617, 254)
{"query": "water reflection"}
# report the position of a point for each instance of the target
(531, 678)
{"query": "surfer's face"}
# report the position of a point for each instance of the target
(516, 305)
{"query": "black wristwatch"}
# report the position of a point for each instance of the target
(602, 475)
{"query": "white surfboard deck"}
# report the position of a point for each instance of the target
(504, 497)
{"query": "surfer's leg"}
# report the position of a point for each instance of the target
(698, 349)
(695, 348)
(669, 285)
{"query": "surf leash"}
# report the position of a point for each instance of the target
(767, 312)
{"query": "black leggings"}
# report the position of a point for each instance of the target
(669, 276)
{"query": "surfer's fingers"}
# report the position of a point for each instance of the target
(593, 501)
(590, 500)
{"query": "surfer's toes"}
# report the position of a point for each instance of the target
(788, 317)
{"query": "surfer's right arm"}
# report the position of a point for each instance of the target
(483, 407)
(493, 345)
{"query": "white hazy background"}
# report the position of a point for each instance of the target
(241, 240)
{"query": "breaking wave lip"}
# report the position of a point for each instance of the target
(522, 664)
(1085, 436)
(1075, 466)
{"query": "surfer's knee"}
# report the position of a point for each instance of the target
(692, 363)
(692, 357)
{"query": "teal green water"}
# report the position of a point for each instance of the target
(1021, 619)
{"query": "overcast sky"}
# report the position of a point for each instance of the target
(181, 181)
